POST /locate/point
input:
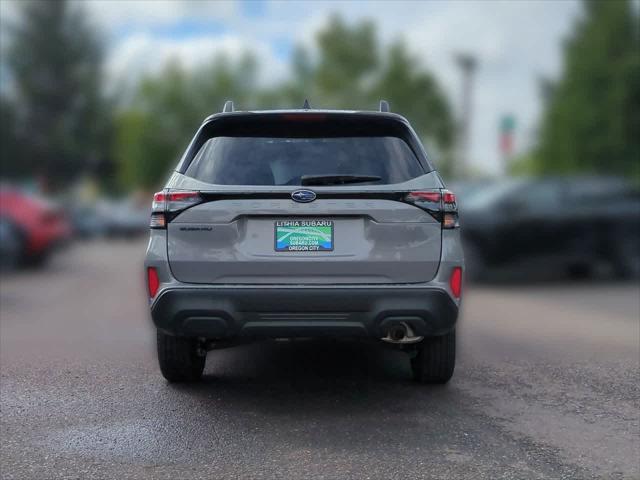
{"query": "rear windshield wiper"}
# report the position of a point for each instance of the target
(337, 179)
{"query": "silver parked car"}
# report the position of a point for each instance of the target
(305, 223)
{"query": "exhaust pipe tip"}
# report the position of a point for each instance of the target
(401, 333)
(398, 332)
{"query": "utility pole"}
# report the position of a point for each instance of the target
(468, 65)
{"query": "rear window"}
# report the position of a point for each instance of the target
(255, 160)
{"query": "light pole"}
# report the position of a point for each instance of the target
(468, 65)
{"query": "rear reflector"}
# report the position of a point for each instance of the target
(455, 282)
(153, 282)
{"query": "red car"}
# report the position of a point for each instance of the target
(30, 228)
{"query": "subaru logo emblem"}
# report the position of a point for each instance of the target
(303, 196)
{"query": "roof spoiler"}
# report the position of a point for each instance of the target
(228, 106)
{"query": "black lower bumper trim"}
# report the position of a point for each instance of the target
(218, 313)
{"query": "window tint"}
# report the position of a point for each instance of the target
(283, 161)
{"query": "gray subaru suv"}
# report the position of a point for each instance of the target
(299, 224)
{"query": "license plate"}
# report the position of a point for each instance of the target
(304, 235)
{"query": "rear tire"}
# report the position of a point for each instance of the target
(436, 359)
(179, 358)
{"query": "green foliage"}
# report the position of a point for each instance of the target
(60, 124)
(154, 130)
(352, 72)
(349, 71)
(415, 93)
(348, 57)
(592, 123)
(9, 147)
(524, 165)
(133, 135)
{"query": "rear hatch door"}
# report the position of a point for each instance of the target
(257, 222)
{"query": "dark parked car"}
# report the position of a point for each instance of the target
(570, 223)
(87, 222)
(123, 218)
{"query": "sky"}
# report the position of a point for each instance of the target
(516, 42)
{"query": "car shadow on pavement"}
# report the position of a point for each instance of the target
(296, 378)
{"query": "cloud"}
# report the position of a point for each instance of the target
(113, 14)
(515, 42)
(144, 53)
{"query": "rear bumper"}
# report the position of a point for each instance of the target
(227, 312)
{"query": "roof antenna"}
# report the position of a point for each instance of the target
(228, 106)
(306, 104)
(384, 106)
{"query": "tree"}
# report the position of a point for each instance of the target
(592, 121)
(347, 71)
(154, 130)
(415, 93)
(352, 71)
(9, 148)
(349, 56)
(54, 61)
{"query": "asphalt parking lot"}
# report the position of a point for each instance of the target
(546, 387)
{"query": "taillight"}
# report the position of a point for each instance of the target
(158, 220)
(433, 197)
(153, 282)
(167, 203)
(450, 210)
(441, 204)
(448, 197)
(455, 282)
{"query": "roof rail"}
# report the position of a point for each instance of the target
(384, 106)
(228, 106)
